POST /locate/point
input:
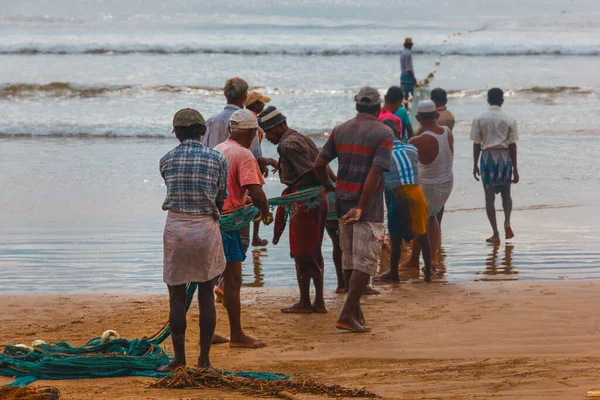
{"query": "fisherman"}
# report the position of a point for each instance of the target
(440, 98)
(193, 251)
(395, 97)
(363, 147)
(256, 103)
(390, 106)
(244, 179)
(297, 154)
(495, 135)
(436, 158)
(407, 207)
(217, 131)
(407, 77)
(446, 118)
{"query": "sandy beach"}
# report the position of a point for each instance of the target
(477, 340)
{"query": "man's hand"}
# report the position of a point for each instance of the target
(515, 176)
(264, 171)
(352, 216)
(476, 172)
(259, 218)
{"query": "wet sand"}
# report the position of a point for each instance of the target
(477, 340)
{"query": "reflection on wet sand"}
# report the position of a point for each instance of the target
(257, 278)
(497, 269)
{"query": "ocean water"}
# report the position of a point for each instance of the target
(88, 90)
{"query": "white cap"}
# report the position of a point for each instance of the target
(426, 107)
(243, 119)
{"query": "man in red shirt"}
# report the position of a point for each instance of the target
(244, 179)
(393, 101)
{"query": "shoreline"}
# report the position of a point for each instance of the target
(525, 339)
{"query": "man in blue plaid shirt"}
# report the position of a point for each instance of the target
(196, 180)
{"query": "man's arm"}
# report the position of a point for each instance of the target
(222, 188)
(259, 199)
(321, 172)
(409, 131)
(476, 153)
(370, 187)
(512, 149)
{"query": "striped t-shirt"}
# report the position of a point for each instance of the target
(404, 168)
(359, 144)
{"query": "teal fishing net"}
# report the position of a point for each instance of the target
(293, 203)
(116, 357)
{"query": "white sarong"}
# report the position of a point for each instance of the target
(193, 249)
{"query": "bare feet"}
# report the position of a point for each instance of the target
(508, 231)
(387, 277)
(218, 339)
(370, 291)
(298, 309)
(352, 326)
(408, 265)
(494, 240)
(258, 242)
(170, 367)
(246, 342)
(359, 316)
(204, 365)
(319, 308)
(340, 290)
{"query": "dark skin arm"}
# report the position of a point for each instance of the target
(512, 149)
(259, 199)
(370, 187)
(409, 131)
(412, 75)
(476, 153)
(322, 174)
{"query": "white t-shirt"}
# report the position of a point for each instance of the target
(494, 129)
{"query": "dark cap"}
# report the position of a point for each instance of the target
(270, 117)
(187, 117)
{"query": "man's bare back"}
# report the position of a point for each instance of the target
(428, 146)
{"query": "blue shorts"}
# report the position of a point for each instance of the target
(232, 246)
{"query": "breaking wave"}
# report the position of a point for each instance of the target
(72, 90)
(367, 50)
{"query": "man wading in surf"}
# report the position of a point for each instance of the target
(494, 135)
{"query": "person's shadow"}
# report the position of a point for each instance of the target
(257, 277)
(497, 268)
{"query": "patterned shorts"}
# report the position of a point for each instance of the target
(361, 246)
(496, 168)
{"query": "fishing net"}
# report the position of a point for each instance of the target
(251, 386)
(293, 203)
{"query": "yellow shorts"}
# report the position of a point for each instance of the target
(407, 215)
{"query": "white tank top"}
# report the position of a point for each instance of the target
(440, 170)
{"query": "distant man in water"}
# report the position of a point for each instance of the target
(193, 251)
(363, 147)
(495, 135)
(436, 159)
(297, 155)
(244, 179)
(407, 77)
(256, 103)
